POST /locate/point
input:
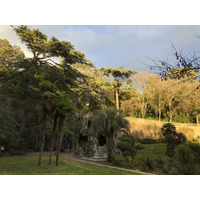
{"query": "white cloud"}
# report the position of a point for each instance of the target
(6, 32)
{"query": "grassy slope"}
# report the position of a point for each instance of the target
(27, 165)
(146, 128)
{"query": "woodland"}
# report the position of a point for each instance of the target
(43, 97)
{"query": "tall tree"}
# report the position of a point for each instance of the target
(65, 77)
(140, 100)
(120, 77)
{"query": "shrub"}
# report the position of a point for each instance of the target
(147, 141)
(162, 165)
(126, 145)
(151, 141)
(119, 161)
(144, 161)
(187, 158)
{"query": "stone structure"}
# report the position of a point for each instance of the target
(90, 143)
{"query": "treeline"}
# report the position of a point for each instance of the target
(169, 99)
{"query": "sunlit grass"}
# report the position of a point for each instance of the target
(27, 165)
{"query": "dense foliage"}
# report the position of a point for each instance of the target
(172, 138)
(42, 98)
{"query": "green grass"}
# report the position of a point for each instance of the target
(154, 149)
(27, 165)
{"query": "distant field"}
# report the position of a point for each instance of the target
(145, 128)
(27, 165)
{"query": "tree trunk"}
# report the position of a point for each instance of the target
(53, 135)
(197, 118)
(159, 115)
(42, 139)
(23, 121)
(110, 147)
(60, 135)
(159, 110)
(117, 98)
(170, 118)
(77, 145)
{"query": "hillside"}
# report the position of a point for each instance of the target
(145, 128)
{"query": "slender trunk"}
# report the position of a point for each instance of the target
(170, 117)
(159, 109)
(77, 145)
(110, 147)
(144, 109)
(197, 118)
(117, 98)
(53, 135)
(170, 112)
(42, 139)
(60, 134)
(23, 121)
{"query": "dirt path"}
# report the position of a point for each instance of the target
(68, 155)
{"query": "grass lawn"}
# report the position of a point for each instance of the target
(155, 149)
(27, 165)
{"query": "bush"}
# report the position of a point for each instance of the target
(147, 141)
(144, 161)
(187, 158)
(126, 145)
(120, 161)
(163, 165)
(151, 141)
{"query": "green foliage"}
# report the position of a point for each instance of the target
(110, 122)
(9, 55)
(119, 161)
(172, 137)
(8, 129)
(180, 73)
(144, 161)
(168, 129)
(187, 158)
(126, 145)
(147, 141)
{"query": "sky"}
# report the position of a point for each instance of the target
(116, 45)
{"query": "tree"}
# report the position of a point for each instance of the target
(120, 77)
(9, 55)
(111, 122)
(140, 100)
(62, 75)
(156, 97)
(65, 107)
(192, 100)
(173, 138)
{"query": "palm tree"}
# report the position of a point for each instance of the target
(65, 108)
(111, 122)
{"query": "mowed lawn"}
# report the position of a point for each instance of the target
(27, 165)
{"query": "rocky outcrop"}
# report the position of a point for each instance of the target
(91, 143)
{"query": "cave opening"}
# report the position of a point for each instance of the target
(102, 140)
